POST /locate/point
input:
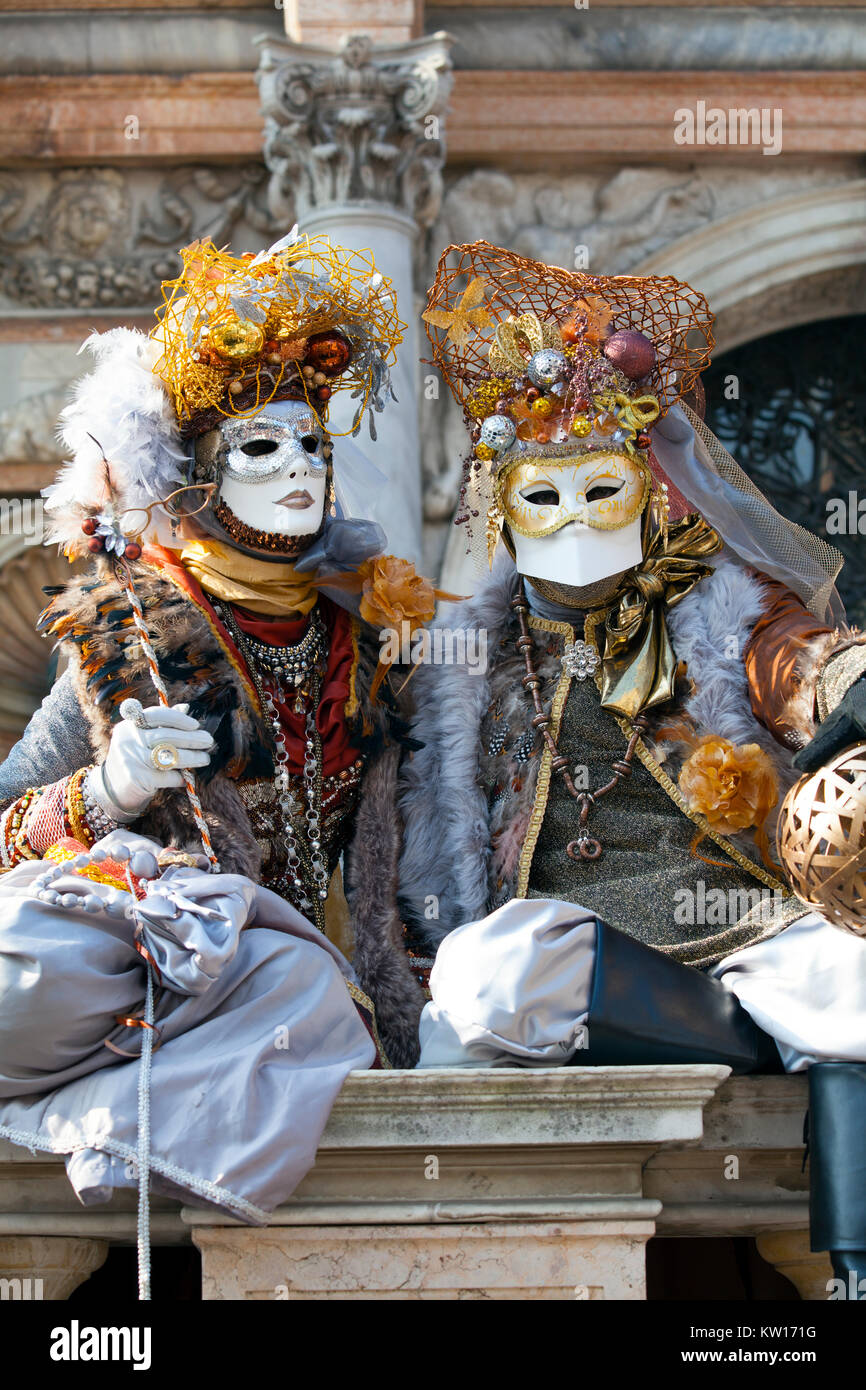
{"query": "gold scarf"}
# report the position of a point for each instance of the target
(263, 586)
(638, 661)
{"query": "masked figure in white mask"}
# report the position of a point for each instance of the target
(593, 818)
(223, 733)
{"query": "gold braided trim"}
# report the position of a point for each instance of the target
(665, 782)
(352, 702)
(366, 1003)
(542, 790)
(20, 843)
(837, 677)
(76, 811)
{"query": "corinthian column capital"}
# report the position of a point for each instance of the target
(363, 125)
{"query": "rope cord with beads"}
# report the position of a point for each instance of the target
(585, 846)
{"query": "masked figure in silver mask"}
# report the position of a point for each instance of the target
(223, 708)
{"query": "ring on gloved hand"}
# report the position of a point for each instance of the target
(133, 711)
(164, 757)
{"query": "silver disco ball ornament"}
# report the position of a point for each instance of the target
(546, 366)
(499, 432)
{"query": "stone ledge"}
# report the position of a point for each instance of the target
(488, 1183)
(528, 118)
(503, 1106)
(513, 1143)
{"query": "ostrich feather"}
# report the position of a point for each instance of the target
(123, 412)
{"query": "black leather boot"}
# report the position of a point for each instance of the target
(837, 1169)
(648, 1009)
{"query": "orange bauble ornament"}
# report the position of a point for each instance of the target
(329, 353)
(822, 839)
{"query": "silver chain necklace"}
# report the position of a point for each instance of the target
(307, 690)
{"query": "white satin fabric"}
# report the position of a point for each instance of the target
(806, 987)
(512, 988)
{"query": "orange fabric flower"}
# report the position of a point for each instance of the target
(735, 788)
(393, 592)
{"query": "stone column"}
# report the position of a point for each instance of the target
(354, 144)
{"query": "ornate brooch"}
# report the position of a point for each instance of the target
(579, 660)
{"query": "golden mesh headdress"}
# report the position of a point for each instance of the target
(557, 363)
(479, 287)
(303, 319)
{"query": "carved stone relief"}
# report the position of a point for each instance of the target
(105, 238)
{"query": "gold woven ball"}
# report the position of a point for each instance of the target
(822, 839)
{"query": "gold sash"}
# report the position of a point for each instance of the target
(263, 586)
(638, 661)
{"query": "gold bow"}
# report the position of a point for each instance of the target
(638, 661)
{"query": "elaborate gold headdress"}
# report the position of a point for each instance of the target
(304, 319)
(558, 361)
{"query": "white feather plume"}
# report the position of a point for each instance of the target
(122, 410)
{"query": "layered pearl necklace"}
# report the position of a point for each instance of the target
(300, 668)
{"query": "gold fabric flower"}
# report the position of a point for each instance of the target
(734, 787)
(393, 592)
(469, 314)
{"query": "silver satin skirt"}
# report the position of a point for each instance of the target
(257, 1030)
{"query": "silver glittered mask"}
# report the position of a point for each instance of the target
(273, 471)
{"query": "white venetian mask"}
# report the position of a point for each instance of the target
(274, 472)
(575, 521)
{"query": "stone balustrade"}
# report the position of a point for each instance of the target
(489, 1183)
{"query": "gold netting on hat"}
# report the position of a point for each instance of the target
(674, 316)
(243, 324)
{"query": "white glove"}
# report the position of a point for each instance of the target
(129, 779)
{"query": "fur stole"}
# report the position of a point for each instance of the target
(456, 848)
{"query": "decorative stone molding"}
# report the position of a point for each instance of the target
(104, 239)
(535, 1191)
(359, 126)
(586, 1160)
(47, 1267)
(777, 246)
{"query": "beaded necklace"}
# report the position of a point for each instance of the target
(303, 666)
(584, 846)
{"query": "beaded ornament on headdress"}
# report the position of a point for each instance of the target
(303, 317)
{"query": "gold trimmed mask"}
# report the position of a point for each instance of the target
(604, 489)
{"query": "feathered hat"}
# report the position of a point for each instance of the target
(302, 320)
